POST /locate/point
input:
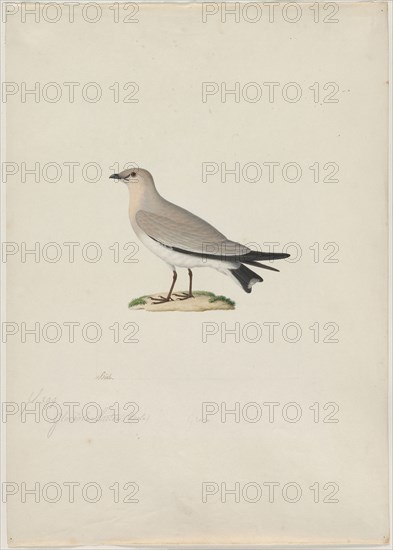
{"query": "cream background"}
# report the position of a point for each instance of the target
(170, 371)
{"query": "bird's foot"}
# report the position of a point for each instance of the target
(184, 295)
(161, 300)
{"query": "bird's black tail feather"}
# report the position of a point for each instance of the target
(256, 264)
(250, 258)
(257, 256)
(246, 277)
(253, 257)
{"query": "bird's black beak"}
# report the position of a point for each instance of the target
(114, 177)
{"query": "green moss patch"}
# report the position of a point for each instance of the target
(141, 301)
(228, 301)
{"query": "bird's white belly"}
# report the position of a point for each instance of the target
(179, 259)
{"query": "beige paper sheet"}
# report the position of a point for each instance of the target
(301, 362)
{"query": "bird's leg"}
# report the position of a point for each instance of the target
(183, 295)
(162, 299)
(190, 294)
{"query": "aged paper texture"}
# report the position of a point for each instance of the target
(258, 422)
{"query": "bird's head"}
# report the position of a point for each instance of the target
(135, 177)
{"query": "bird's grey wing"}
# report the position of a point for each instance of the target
(189, 234)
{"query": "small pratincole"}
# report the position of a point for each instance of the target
(182, 239)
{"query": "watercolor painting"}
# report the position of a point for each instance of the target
(183, 240)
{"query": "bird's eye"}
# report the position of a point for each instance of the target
(133, 174)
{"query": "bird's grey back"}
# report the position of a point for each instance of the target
(175, 226)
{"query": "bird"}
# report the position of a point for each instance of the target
(184, 240)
